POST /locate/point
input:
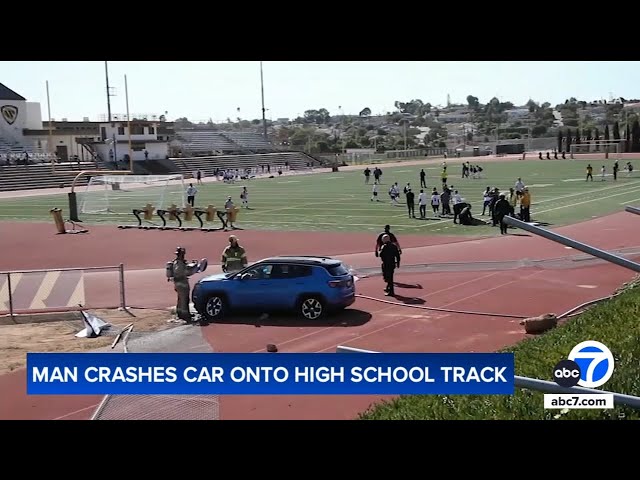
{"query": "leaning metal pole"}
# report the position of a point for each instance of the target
(541, 385)
(630, 209)
(596, 252)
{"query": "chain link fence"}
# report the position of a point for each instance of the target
(41, 291)
(183, 339)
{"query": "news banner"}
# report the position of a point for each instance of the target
(270, 374)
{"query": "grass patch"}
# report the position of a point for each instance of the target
(614, 323)
(340, 201)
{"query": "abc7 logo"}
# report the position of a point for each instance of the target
(590, 365)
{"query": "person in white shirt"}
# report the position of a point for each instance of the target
(456, 198)
(394, 193)
(374, 192)
(422, 203)
(603, 172)
(224, 216)
(244, 195)
(435, 202)
(519, 185)
(486, 200)
(191, 194)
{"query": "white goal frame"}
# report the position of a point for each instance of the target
(602, 148)
(126, 192)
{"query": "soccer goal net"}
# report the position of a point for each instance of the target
(119, 194)
(596, 149)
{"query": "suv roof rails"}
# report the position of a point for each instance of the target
(323, 257)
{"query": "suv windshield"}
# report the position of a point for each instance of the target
(337, 270)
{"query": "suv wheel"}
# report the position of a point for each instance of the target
(311, 308)
(214, 307)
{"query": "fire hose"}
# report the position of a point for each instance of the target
(570, 313)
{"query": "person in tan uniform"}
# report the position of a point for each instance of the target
(179, 271)
(234, 257)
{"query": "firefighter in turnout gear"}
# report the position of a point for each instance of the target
(234, 257)
(179, 270)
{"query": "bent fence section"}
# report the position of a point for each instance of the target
(65, 289)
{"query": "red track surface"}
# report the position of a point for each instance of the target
(368, 324)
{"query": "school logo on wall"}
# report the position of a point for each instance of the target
(9, 113)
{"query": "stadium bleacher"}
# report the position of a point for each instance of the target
(251, 141)
(32, 177)
(205, 142)
(207, 165)
(224, 150)
(194, 142)
(8, 148)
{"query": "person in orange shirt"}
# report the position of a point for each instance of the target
(525, 204)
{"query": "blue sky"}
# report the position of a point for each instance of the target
(203, 90)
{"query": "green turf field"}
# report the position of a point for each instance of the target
(341, 202)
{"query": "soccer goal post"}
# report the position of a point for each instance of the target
(597, 148)
(119, 194)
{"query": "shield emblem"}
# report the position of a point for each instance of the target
(9, 113)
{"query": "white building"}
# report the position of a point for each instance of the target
(22, 128)
(517, 113)
(146, 136)
(16, 115)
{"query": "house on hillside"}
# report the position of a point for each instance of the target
(517, 114)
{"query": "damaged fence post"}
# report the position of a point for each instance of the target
(123, 300)
(13, 319)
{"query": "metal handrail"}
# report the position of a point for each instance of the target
(110, 267)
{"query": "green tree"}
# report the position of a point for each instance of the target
(635, 135)
(317, 116)
(596, 137)
(578, 140)
(627, 139)
(616, 131)
(568, 140)
(560, 140)
(606, 133)
(473, 102)
(413, 107)
(539, 130)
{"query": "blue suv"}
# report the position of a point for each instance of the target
(309, 286)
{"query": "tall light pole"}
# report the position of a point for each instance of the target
(264, 116)
(126, 94)
(51, 148)
(106, 73)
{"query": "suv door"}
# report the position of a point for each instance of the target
(252, 288)
(286, 284)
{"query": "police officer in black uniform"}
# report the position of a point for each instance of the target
(394, 239)
(390, 256)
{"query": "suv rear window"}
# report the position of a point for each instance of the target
(337, 270)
